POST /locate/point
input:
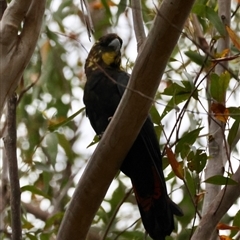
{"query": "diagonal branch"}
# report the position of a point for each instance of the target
(222, 202)
(32, 26)
(127, 121)
(12, 18)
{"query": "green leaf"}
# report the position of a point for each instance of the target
(107, 8)
(236, 222)
(158, 130)
(197, 58)
(52, 146)
(179, 94)
(197, 160)
(54, 127)
(234, 113)
(233, 133)
(94, 141)
(205, 11)
(213, 17)
(186, 141)
(219, 85)
(116, 197)
(56, 218)
(122, 5)
(171, 175)
(34, 190)
(177, 89)
(165, 162)
(26, 224)
(66, 145)
(31, 236)
(191, 182)
(42, 166)
(46, 178)
(155, 116)
(45, 236)
(220, 180)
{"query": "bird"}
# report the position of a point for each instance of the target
(106, 82)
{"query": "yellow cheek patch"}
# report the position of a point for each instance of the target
(108, 57)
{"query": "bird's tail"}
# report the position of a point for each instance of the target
(157, 211)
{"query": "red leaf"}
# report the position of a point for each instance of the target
(223, 237)
(223, 226)
(176, 166)
(234, 37)
(220, 112)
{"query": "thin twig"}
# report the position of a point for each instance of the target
(10, 142)
(22, 93)
(199, 33)
(113, 217)
(138, 23)
(128, 228)
(198, 45)
(180, 116)
(235, 11)
(58, 199)
(87, 18)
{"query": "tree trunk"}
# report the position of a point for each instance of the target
(217, 147)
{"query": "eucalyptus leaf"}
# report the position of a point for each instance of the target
(221, 180)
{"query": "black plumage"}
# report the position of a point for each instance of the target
(143, 164)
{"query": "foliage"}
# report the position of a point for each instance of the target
(54, 136)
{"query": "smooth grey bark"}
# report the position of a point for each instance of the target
(217, 146)
(222, 202)
(17, 48)
(138, 23)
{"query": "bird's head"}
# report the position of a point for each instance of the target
(105, 53)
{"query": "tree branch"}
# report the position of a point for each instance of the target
(217, 146)
(36, 211)
(199, 34)
(222, 202)
(127, 121)
(12, 19)
(4, 189)
(10, 142)
(15, 50)
(32, 27)
(138, 23)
